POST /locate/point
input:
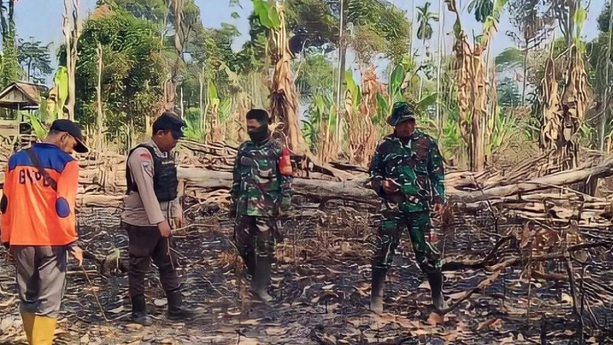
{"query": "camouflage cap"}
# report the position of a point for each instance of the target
(402, 112)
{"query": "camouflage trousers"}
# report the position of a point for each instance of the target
(388, 239)
(254, 235)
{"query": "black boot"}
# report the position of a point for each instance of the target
(435, 278)
(376, 294)
(139, 311)
(249, 260)
(261, 279)
(176, 310)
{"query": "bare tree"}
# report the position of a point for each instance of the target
(533, 24)
(71, 30)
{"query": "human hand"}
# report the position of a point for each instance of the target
(77, 253)
(390, 187)
(164, 228)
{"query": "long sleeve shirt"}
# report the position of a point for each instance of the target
(33, 214)
(258, 188)
(142, 208)
(416, 166)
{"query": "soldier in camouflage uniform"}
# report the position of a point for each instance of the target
(407, 173)
(260, 193)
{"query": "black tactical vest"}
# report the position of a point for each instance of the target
(165, 181)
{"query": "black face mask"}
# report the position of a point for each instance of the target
(260, 134)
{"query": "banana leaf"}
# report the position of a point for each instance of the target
(396, 79)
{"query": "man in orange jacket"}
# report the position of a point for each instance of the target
(38, 224)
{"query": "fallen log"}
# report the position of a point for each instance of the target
(564, 178)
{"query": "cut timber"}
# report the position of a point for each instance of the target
(558, 179)
(317, 190)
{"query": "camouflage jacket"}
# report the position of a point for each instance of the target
(258, 188)
(416, 166)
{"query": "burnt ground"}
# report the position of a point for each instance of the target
(321, 283)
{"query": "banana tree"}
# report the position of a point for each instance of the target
(471, 79)
(395, 93)
(213, 130)
(319, 127)
(284, 96)
(57, 96)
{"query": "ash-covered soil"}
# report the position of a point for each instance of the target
(321, 284)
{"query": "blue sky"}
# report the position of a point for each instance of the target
(42, 19)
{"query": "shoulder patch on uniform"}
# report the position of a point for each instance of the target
(146, 155)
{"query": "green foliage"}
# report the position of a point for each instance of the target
(11, 70)
(315, 75)
(481, 8)
(317, 19)
(503, 127)
(508, 93)
(395, 83)
(35, 59)
(192, 120)
(384, 19)
(149, 10)
(353, 88)
(603, 18)
(509, 58)
(320, 116)
(37, 125)
(424, 16)
(133, 73)
(267, 13)
(60, 81)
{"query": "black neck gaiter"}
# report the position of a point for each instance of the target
(259, 135)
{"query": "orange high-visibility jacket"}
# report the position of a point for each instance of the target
(32, 212)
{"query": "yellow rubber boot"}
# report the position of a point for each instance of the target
(28, 324)
(43, 330)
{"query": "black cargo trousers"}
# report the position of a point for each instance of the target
(146, 244)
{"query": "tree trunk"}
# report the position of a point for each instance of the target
(284, 96)
(523, 89)
(441, 24)
(71, 30)
(100, 117)
(182, 113)
(201, 104)
(605, 100)
(342, 55)
(178, 41)
(30, 70)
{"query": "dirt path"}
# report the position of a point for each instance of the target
(321, 285)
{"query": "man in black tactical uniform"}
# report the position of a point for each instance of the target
(150, 207)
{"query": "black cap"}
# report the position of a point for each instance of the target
(73, 129)
(169, 121)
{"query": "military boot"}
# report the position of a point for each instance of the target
(261, 279)
(176, 310)
(435, 278)
(376, 294)
(249, 260)
(139, 311)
